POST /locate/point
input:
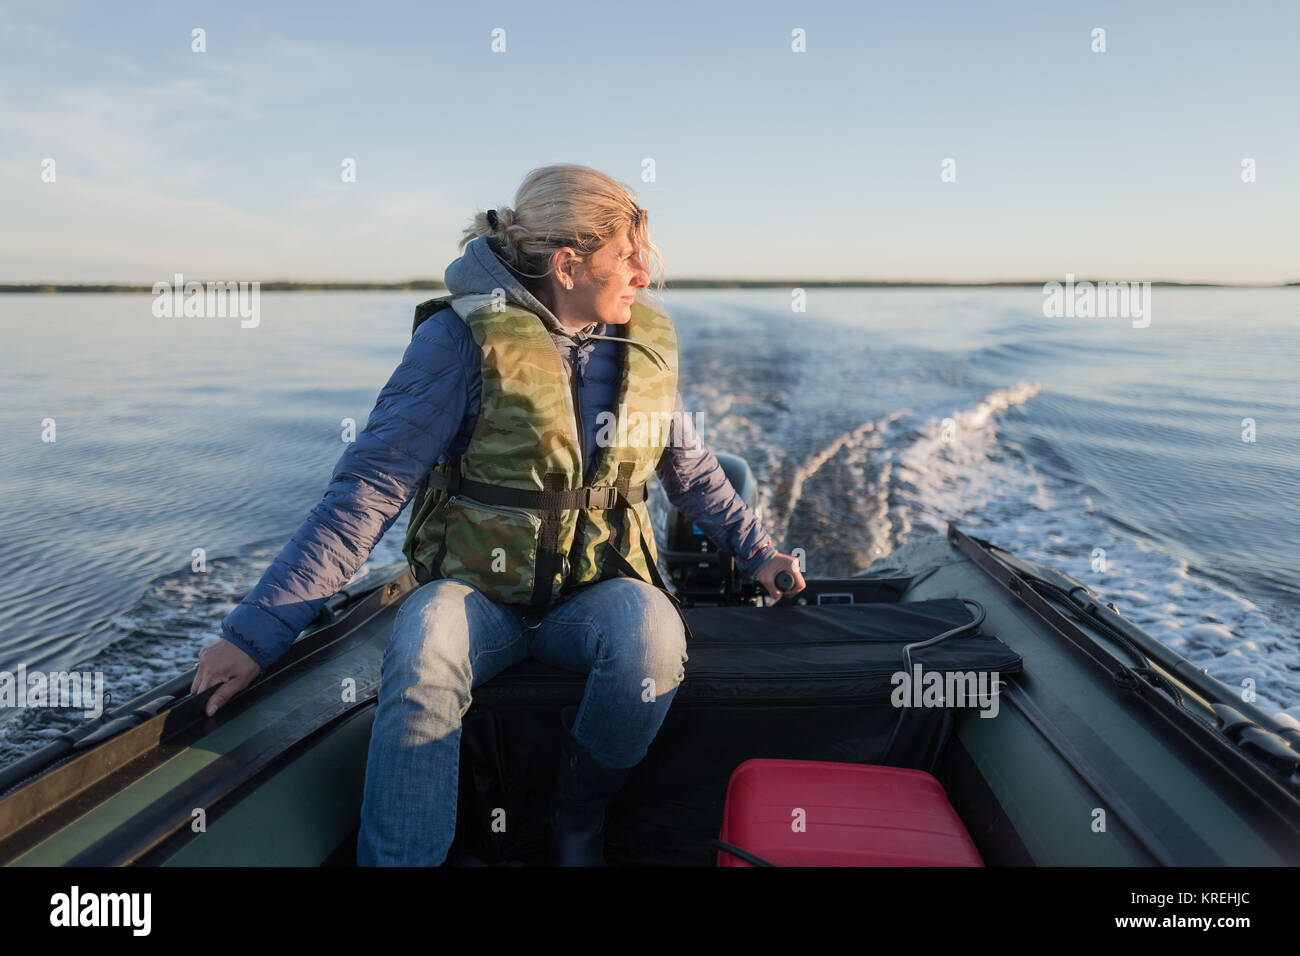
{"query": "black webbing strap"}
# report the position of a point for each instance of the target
(437, 558)
(587, 498)
(614, 557)
(423, 575)
(615, 540)
(548, 562)
(443, 481)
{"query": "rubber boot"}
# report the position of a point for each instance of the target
(583, 788)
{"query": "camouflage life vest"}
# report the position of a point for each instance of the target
(511, 515)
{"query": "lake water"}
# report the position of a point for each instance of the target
(874, 415)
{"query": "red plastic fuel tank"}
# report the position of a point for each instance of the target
(821, 813)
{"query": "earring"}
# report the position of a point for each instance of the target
(568, 283)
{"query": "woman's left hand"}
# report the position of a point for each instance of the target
(766, 575)
(222, 662)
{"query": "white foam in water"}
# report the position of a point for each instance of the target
(857, 453)
(975, 477)
(160, 636)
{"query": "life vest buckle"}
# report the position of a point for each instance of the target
(599, 496)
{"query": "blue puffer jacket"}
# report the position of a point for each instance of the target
(426, 414)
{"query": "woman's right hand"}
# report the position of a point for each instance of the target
(223, 663)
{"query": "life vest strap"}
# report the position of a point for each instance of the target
(613, 557)
(586, 498)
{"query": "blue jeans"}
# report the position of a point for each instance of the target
(448, 638)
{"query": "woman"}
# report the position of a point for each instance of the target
(502, 397)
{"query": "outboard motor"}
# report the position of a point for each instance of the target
(701, 573)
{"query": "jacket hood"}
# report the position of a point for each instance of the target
(479, 270)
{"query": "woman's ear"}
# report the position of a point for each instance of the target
(566, 263)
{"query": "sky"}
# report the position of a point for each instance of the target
(753, 160)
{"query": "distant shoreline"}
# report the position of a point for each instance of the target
(432, 285)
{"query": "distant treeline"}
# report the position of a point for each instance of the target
(433, 285)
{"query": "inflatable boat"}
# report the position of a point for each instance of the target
(1081, 740)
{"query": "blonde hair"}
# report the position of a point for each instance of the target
(565, 205)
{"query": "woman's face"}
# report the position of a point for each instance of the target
(604, 285)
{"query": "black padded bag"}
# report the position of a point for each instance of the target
(810, 683)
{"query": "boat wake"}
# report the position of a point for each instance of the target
(159, 637)
(869, 490)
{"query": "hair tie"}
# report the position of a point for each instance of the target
(493, 221)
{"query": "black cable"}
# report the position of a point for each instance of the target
(938, 746)
(739, 853)
(907, 667)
